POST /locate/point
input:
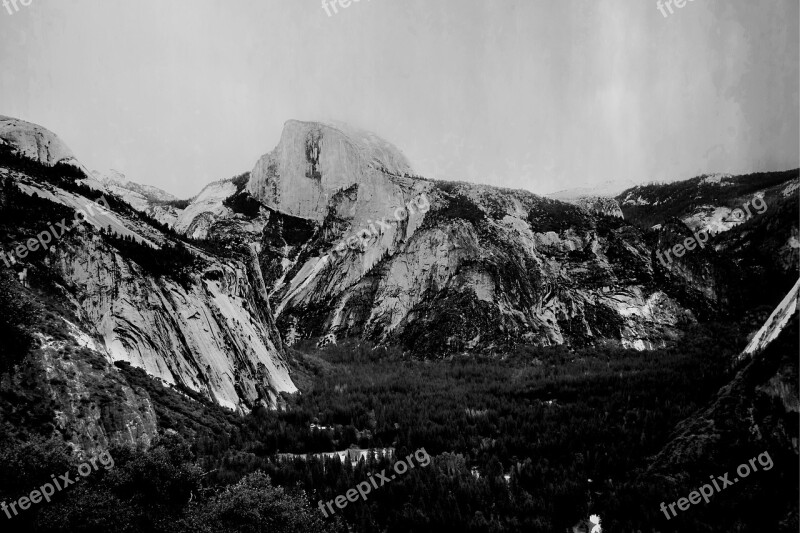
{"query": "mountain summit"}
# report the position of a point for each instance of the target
(136, 292)
(34, 142)
(314, 160)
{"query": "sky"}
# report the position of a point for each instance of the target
(530, 94)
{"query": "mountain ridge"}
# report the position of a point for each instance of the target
(187, 315)
(473, 250)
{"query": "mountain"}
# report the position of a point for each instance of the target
(314, 162)
(749, 221)
(354, 245)
(120, 287)
(112, 178)
(34, 142)
(707, 202)
(755, 415)
(205, 208)
(601, 205)
(331, 236)
(606, 189)
(598, 199)
(768, 369)
(774, 325)
(55, 377)
(158, 204)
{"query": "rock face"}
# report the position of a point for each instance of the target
(480, 269)
(354, 246)
(204, 209)
(34, 142)
(64, 381)
(715, 203)
(774, 325)
(754, 415)
(158, 204)
(600, 205)
(750, 222)
(599, 199)
(209, 329)
(313, 162)
(757, 409)
(207, 336)
(130, 191)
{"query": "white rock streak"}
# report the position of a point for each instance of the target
(774, 324)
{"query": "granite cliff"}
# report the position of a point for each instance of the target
(133, 292)
(347, 252)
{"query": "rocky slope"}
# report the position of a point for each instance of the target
(34, 142)
(715, 203)
(606, 189)
(484, 269)
(351, 244)
(123, 185)
(314, 162)
(186, 315)
(204, 209)
(206, 335)
(599, 204)
(55, 377)
(768, 371)
(158, 204)
(354, 246)
(331, 236)
(774, 325)
(755, 414)
(598, 199)
(750, 222)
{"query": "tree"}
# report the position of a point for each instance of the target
(254, 505)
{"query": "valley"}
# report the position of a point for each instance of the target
(553, 367)
(430, 266)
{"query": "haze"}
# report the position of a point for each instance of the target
(518, 93)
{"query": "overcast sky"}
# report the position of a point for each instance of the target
(541, 95)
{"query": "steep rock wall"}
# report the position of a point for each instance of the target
(208, 336)
(314, 161)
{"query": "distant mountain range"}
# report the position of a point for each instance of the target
(256, 261)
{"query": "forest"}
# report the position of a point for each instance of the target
(528, 439)
(535, 439)
(531, 441)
